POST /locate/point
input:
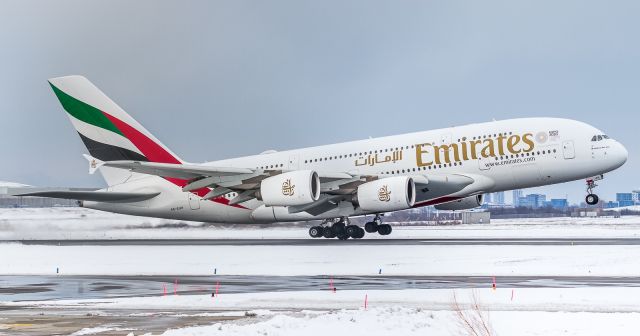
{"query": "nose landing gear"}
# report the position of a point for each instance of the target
(592, 199)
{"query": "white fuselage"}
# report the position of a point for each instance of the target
(509, 154)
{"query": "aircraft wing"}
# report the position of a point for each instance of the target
(245, 181)
(183, 171)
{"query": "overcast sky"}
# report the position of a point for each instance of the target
(219, 79)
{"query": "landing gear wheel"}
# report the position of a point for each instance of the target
(315, 231)
(384, 229)
(359, 233)
(327, 232)
(352, 231)
(343, 236)
(338, 229)
(592, 199)
(371, 227)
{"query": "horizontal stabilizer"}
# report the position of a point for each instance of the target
(95, 196)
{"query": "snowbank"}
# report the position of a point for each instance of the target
(531, 311)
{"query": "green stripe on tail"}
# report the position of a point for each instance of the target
(85, 112)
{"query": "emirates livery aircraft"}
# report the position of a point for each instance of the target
(450, 168)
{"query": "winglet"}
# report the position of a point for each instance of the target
(94, 164)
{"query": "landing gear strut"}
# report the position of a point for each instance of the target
(592, 199)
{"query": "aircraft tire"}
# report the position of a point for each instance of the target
(343, 236)
(352, 231)
(327, 232)
(384, 229)
(316, 232)
(371, 227)
(592, 199)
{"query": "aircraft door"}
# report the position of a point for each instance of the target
(194, 201)
(569, 150)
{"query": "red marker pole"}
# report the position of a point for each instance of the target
(164, 290)
(217, 287)
(512, 294)
(331, 284)
(493, 285)
(175, 287)
(365, 301)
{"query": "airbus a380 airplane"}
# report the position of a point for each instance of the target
(450, 168)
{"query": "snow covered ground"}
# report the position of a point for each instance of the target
(526, 311)
(343, 259)
(543, 311)
(80, 223)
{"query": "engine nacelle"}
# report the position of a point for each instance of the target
(469, 202)
(387, 194)
(293, 188)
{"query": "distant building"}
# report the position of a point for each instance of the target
(498, 198)
(533, 201)
(559, 203)
(488, 199)
(625, 199)
(7, 200)
(635, 196)
(517, 194)
(611, 204)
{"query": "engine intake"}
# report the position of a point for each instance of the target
(293, 188)
(387, 194)
(468, 202)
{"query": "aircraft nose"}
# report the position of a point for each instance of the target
(619, 154)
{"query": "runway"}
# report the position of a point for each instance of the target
(29, 288)
(333, 242)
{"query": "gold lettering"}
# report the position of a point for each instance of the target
(488, 151)
(474, 152)
(501, 144)
(512, 142)
(526, 138)
(445, 150)
(419, 153)
(465, 156)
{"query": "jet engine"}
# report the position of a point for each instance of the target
(387, 194)
(469, 202)
(293, 188)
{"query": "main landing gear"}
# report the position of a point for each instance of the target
(592, 199)
(342, 229)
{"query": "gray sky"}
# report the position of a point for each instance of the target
(219, 79)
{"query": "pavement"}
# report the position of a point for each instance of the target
(323, 241)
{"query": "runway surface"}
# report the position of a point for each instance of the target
(21, 288)
(323, 241)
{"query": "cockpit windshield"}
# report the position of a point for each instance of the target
(599, 137)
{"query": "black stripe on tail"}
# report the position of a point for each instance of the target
(106, 152)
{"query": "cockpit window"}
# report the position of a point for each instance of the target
(595, 138)
(599, 137)
(605, 136)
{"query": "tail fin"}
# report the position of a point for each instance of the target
(107, 131)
